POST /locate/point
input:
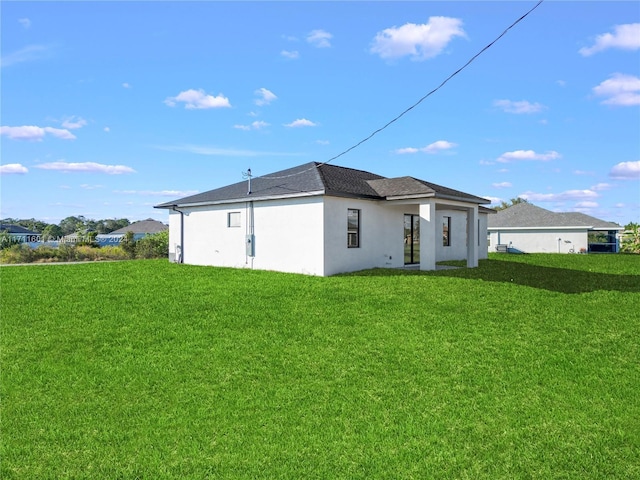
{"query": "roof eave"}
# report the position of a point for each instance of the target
(248, 198)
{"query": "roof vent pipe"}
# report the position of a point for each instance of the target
(247, 175)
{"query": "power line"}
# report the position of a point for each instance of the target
(444, 82)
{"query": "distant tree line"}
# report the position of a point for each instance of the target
(68, 225)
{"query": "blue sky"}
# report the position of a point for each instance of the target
(110, 108)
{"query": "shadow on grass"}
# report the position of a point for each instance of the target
(549, 278)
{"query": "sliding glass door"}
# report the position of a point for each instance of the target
(411, 239)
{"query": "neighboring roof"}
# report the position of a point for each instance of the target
(320, 178)
(143, 226)
(526, 215)
(18, 229)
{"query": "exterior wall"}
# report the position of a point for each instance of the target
(381, 235)
(174, 235)
(458, 234)
(308, 235)
(540, 240)
(483, 250)
(288, 235)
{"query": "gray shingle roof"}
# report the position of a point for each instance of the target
(18, 229)
(526, 215)
(143, 226)
(318, 178)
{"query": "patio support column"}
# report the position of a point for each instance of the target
(472, 237)
(428, 235)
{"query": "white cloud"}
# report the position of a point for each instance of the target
(159, 193)
(71, 123)
(86, 186)
(626, 37)
(13, 169)
(560, 197)
(216, 151)
(319, 38)
(25, 22)
(402, 151)
(421, 41)
(266, 97)
(493, 200)
(438, 146)
(620, 89)
(257, 125)
(528, 155)
(626, 171)
(518, 107)
(86, 167)
(291, 54)
(107, 129)
(586, 205)
(432, 148)
(34, 133)
(322, 142)
(583, 172)
(502, 185)
(126, 85)
(486, 162)
(601, 186)
(198, 99)
(301, 122)
(26, 54)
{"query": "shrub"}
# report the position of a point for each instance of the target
(66, 252)
(630, 242)
(153, 246)
(7, 240)
(17, 253)
(45, 253)
(128, 244)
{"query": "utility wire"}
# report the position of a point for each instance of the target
(489, 45)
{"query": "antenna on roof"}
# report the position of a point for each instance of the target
(247, 175)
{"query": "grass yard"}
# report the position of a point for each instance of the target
(526, 367)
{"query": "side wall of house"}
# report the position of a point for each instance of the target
(540, 241)
(381, 235)
(457, 248)
(483, 250)
(287, 235)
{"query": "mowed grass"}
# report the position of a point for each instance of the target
(526, 367)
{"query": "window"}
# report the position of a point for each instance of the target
(353, 228)
(446, 231)
(233, 219)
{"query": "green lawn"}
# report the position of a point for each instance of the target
(526, 367)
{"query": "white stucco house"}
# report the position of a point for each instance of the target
(527, 228)
(322, 219)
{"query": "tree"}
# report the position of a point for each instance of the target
(72, 224)
(51, 232)
(630, 242)
(514, 201)
(6, 240)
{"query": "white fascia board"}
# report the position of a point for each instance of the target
(252, 199)
(607, 229)
(577, 227)
(409, 197)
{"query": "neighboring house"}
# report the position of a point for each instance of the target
(139, 229)
(530, 229)
(21, 233)
(322, 219)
